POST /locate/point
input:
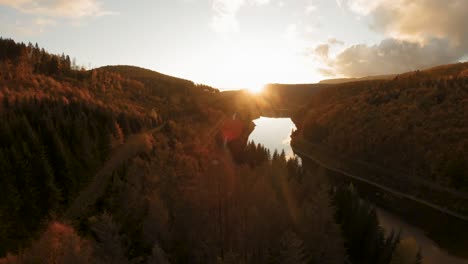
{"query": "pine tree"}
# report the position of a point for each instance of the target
(365, 240)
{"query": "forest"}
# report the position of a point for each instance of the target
(125, 165)
(414, 127)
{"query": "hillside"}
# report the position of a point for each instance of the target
(143, 74)
(60, 126)
(415, 124)
(157, 81)
(368, 78)
(290, 96)
(438, 71)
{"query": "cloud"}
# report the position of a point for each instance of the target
(225, 17)
(361, 7)
(321, 51)
(58, 8)
(391, 56)
(46, 13)
(419, 34)
(422, 20)
(260, 2)
(310, 9)
(334, 41)
(326, 72)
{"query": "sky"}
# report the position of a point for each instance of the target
(233, 44)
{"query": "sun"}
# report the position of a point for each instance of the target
(258, 89)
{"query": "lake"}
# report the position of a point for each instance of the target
(274, 134)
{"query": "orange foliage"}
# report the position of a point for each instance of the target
(58, 244)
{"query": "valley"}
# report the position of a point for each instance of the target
(122, 164)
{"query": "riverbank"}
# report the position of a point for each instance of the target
(432, 252)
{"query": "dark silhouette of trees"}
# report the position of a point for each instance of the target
(49, 149)
(365, 240)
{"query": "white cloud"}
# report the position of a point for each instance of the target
(415, 20)
(361, 7)
(225, 17)
(364, 7)
(334, 41)
(310, 9)
(260, 2)
(391, 56)
(45, 13)
(58, 8)
(322, 51)
(419, 34)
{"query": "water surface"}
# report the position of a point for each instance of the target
(274, 134)
(432, 253)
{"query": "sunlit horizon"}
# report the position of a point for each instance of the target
(256, 90)
(234, 45)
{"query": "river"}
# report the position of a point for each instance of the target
(274, 133)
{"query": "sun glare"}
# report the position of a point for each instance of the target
(247, 63)
(256, 89)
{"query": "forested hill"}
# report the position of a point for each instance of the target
(61, 123)
(290, 96)
(143, 74)
(438, 71)
(125, 165)
(156, 80)
(368, 78)
(415, 124)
